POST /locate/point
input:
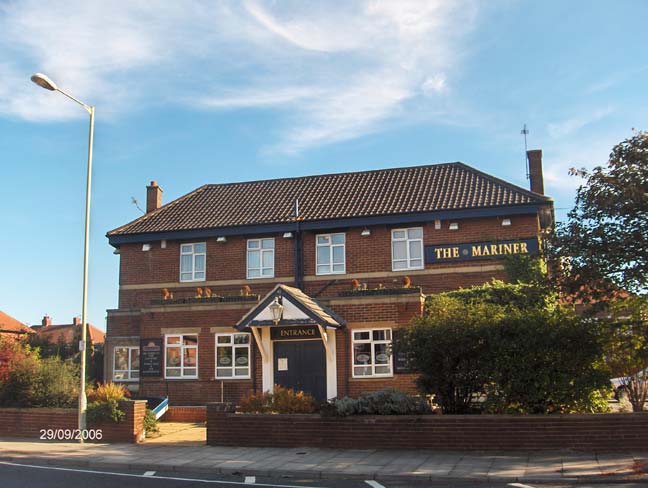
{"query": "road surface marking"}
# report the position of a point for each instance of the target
(520, 485)
(129, 475)
(149, 473)
(250, 480)
(374, 484)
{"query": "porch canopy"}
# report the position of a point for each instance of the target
(298, 309)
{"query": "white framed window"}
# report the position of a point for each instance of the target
(330, 253)
(260, 258)
(181, 355)
(372, 353)
(126, 363)
(232, 356)
(192, 261)
(407, 248)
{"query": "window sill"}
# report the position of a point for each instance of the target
(373, 377)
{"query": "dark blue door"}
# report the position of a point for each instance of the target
(301, 365)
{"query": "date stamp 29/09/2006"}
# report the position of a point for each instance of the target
(71, 434)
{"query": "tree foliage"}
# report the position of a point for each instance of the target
(603, 246)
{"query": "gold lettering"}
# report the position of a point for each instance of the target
(446, 253)
(493, 249)
(486, 252)
(508, 249)
(523, 246)
(455, 252)
(476, 251)
(516, 248)
(438, 252)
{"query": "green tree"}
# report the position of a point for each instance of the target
(603, 246)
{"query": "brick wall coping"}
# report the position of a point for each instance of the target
(50, 410)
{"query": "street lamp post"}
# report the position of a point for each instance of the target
(44, 82)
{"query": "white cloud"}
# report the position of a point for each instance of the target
(571, 125)
(336, 70)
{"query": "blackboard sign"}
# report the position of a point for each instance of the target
(151, 357)
(294, 333)
(401, 365)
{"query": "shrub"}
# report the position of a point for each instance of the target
(104, 411)
(106, 392)
(57, 384)
(384, 402)
(281, 400)
(150, 423)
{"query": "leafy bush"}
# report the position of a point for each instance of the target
(104, 411)
(496, 292)
(26, 380)
(106, 392)
(384, 402)
(150, 423)
(281, 400)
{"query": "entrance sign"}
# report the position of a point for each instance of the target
(294, 333)
(444, 253)
(151, 357)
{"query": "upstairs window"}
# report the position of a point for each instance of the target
(232, 355)
(260, 258)
(330, 253)
(192, 261)
(181, 356)
(407, 248)
(126, 364)
(372, 353)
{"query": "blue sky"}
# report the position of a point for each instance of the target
(197, 92)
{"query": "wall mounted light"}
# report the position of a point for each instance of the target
(506, 222)
(146, 247)
(221, 239)
(454, 226)
(163, 243)
(437, 224)
(365, 232)
(288, 235)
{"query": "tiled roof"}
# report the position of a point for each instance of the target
(9, 324)
(450, 186)
(66, 333)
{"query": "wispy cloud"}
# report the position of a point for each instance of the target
(335, 71)
(573, 124)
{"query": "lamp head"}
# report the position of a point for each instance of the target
(44, 82)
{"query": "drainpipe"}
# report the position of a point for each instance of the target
(299, 251)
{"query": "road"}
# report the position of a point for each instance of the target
(14, 475)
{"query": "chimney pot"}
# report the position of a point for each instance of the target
(535, 171)
(153, 197)
(76, 321)
(47, 321)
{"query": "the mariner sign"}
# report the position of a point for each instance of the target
(443, 253)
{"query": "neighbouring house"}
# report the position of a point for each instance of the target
(11, 328)
(68, 333)
(303, 282)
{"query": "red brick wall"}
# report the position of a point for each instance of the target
(28, 422)
(185, 414)
(607, 432)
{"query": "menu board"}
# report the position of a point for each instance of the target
(151, 357)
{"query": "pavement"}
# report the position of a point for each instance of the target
(539, 467)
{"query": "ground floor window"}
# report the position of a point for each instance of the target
(372, 353)
(181, 356)
(126, 363)
(232, 355)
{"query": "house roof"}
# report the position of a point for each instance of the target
(304, 306)
(396, 191)
(9, 324)
(66, 333)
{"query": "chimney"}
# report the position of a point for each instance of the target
(535, 171)
(47, 321)
(76, 321)
(153, 197)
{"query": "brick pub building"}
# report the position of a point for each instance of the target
(303, 282)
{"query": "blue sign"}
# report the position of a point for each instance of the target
(447, 253)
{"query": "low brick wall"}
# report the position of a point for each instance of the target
(603, 432)
(185, 414)
(28, 422)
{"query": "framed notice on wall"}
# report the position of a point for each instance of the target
(401, 365)
(151, 357)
